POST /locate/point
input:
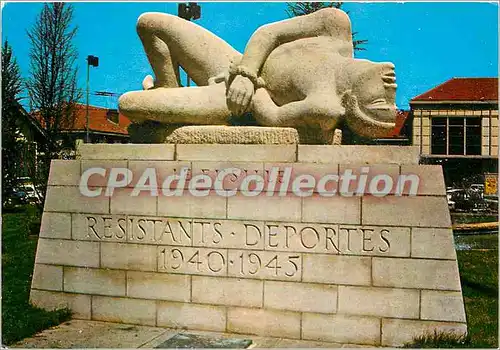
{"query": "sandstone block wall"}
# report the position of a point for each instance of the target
(361, 269)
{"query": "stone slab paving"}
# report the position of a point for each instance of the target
(79, 334)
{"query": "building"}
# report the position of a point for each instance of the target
(400, 134)
(455, 124)
(105, 126)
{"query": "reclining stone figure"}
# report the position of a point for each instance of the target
(299, 72)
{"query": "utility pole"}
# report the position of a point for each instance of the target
(189, 11)
(94, 62)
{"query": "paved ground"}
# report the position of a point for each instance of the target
(94, 334)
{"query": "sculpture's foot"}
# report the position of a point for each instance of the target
(148, 82)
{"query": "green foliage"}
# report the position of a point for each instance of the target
(11, 148)
(439, 340)
(304, 8)
(295, 9)
(19, 318)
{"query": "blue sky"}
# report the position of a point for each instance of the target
(428, 42)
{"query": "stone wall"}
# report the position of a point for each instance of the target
(361, 269)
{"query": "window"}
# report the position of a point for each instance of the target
(473, 136)
(113, 116)
(456, 136)
(439, 138)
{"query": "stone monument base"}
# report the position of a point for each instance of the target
(373, 270)
(221, 134)
(155, 132)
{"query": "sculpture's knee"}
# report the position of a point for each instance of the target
(127, 103)
(150, 21)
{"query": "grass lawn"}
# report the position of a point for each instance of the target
(19, 318)
(479, 277)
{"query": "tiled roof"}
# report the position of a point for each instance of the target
(98, 121)
(400, 120)
(462, 89)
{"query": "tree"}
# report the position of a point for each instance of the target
(304, 8)
(52, 85)
(11, 87)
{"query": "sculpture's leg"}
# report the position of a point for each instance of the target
(193, 105)
(170, 41)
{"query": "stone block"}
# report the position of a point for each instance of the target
(64, 173)
(374, 240)
(432, 243)
(124, 310)
(192, 261)
(398, 332)
(56, 225)
(163, 169)
(262, 207)
(64, 252)
(264, 265)
(341, 210)
(128, 256)
(227, 291)
(161, 286)
(416, 273)
(123, 202)
(337, 239)
(189, 206)
(357, 154)
(48, 277)
(341, 328)
(160, 230)
(381, 302)
(92, 227)
(233, 180)
(94, 281)
(276, 175)
(303, 297)
(298, 237)
(406, 211)
(78, 303)
(127, 151)
(442, 306)
(68, 199)
(237, 153)
(98, 180)
(222, 134)
(283, 324)
(191, 316)
(431, 179)
(365, 175)
(228, 234)
(352, 270)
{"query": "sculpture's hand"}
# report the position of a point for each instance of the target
(239, 95)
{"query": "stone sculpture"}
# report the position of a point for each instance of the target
(298, 72)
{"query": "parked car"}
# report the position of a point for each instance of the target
(31, 194)
(15, 198)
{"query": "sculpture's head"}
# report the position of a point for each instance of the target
(370, 103)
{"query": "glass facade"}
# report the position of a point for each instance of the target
(456, 135)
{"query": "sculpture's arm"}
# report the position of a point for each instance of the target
(326, 22)
(317, 109)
